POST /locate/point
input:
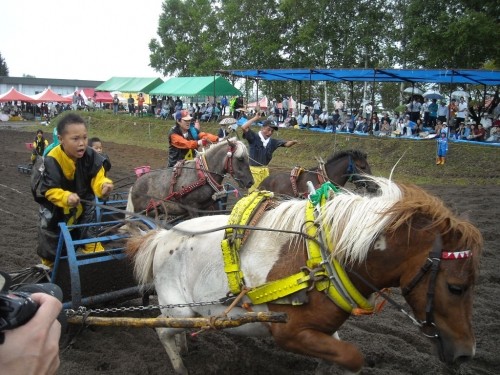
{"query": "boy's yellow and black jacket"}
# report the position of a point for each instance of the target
(62, 176)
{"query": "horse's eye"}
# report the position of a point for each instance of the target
(457, 290)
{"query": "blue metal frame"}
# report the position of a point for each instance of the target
(76, 260)
(117, 203)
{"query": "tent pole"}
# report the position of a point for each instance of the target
(373, 91)
(257, 93)
(352, 97)
(310, 84)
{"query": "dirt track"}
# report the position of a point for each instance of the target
(391, 344)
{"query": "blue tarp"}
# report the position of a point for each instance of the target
(449, 76)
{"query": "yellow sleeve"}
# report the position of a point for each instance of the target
(98, 181)
(58, 197)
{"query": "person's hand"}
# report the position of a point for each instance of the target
(73, 200)
(33, 348)
(107, 188)
(202, 142)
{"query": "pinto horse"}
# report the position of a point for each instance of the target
(192, 185)
(341, 167)
(402, 237)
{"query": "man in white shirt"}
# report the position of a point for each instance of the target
(307, 119)
(339, 105)
(462, 112)
(317, 107)
(323, 119)
(368, 110)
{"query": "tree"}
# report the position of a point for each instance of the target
(4, 70)
(198, 37)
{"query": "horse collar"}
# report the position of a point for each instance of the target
(338, 287)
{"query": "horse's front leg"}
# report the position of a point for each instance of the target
(320, 345)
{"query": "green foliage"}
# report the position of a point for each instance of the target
(471, 164)
(199, 36)
(4, 70)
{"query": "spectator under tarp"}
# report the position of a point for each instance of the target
(196, 86)
(130, 84)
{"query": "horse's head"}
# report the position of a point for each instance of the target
(350, 165)
(410, 239)
(237, 163)
(357, 168)
(439, 272)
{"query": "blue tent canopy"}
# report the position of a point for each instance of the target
(449, 76)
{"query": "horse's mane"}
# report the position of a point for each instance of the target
(355, 154)
(353, 222)
(240, 147)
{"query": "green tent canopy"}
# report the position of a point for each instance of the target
(130, 84)
(196, 86)
(112, 84)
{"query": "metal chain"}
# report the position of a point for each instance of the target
(82, 310)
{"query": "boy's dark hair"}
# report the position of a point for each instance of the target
(39, 131)
(93, 140)
(70, 118)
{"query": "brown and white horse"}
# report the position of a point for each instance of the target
(401, 237)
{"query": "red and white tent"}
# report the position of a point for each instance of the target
(99, 96)
(263, 103)
(49, 96)
(13, 96)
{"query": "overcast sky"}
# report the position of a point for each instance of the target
(88, 39)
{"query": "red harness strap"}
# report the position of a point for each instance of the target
(204, 177)
(294, 174)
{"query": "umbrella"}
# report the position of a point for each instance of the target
(433, 94)
(413, 90)
(459, 93)
(228, 121)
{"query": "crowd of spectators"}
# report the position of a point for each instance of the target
(419, 120)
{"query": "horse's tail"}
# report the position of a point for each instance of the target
(141, 249)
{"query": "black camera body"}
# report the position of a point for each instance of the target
(17, 307)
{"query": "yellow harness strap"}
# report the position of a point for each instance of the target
(240, 215)
(324, 276)
(338, 286)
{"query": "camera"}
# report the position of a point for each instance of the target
(17, 307)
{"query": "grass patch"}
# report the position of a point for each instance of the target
(467, 164)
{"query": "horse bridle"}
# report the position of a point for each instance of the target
(352, 171)
(228, 162)
(428, 327)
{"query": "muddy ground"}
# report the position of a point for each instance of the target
(389, 341)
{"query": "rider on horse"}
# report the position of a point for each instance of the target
(184, 138)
